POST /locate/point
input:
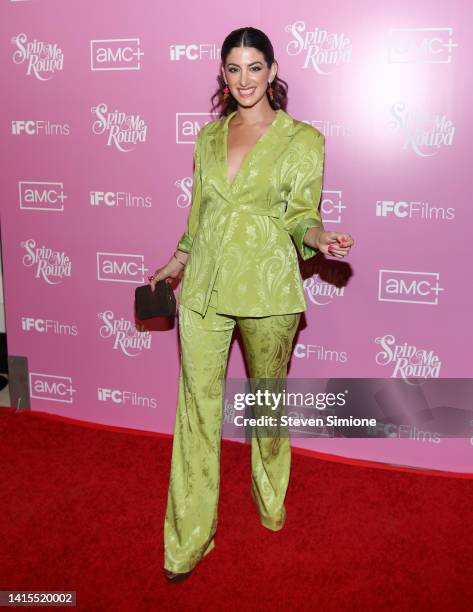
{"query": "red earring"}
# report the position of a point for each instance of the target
(270, 91)
(226, 91)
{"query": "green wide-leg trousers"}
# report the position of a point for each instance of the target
(191, 514)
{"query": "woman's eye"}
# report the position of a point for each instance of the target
(254, 68)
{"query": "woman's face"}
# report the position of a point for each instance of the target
(247, 75)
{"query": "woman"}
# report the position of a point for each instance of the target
(256, 185)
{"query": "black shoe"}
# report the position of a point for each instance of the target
(173, 577)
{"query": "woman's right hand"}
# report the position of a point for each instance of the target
(173, 269)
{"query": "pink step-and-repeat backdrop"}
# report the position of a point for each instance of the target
(101, 104)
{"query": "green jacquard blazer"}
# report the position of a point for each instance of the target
(242, 237)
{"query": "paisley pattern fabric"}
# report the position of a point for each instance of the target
(242, 237)
(191, 514)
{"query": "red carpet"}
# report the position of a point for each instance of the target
(83, 509)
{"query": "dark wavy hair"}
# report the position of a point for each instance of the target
(248, 37)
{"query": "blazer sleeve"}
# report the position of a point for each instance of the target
(303, 209)
(185, 242)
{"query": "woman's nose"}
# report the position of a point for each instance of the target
(243, 78)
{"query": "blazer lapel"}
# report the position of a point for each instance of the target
(271, 141)
(218, 144)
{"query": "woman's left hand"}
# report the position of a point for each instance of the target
(337, 244)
